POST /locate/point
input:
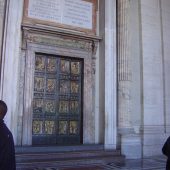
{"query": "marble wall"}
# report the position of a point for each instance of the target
(154, 32)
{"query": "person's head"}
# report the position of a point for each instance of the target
(3, 109)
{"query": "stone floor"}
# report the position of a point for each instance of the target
(150, 163)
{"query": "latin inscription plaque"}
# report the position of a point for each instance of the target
(72, 14)
(77, 13)
(49, 10)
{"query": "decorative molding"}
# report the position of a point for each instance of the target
(151, 129)
(57, 31)
(60, 39)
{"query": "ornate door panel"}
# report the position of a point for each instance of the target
(57, 100)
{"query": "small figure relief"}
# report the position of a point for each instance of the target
(50, 85)
(38, 106)
(64, 86)
(39, 63)
(51, 65)
(63, 126)
(73, 127)
(75, 67)
(63, 106)
(74, 106)
(74, 87)
(49, 106)
(49, 127)
(39, 84)
(65, 66)
(37, 127)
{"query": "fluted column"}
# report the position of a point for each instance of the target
(130, 139)
(124, 65)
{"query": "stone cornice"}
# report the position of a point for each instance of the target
(60, 38)
(56, 31)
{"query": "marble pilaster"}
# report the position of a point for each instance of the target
(110, 75)
(10, 64)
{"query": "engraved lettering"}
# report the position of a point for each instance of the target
(45, 10)
(76, 13)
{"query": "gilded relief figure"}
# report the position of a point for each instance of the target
(63, 125)
(51, 64)
(65, 66)
(63, 106)
(74, 87)
(50, 106)
(49, 127)
(50, 87)
(39, 84)
(37, 127)
(75, 67)
(73, 127)
(39, 63)
(73, 106)
(64, 86)
(38, 106)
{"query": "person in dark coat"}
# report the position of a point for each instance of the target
(166, 151)
(7, 149)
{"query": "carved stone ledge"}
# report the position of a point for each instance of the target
(52, 30)
(59, 38)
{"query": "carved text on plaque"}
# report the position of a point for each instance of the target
(76, 13)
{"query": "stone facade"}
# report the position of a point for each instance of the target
(126, 83)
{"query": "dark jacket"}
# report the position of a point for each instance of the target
(7, 150)
(166, 151)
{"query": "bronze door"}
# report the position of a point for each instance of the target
(57, 100)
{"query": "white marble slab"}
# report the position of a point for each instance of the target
(76, 13)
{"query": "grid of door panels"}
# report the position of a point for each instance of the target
(57, 100)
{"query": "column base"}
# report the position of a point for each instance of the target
(109, 147)
(131, 146)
